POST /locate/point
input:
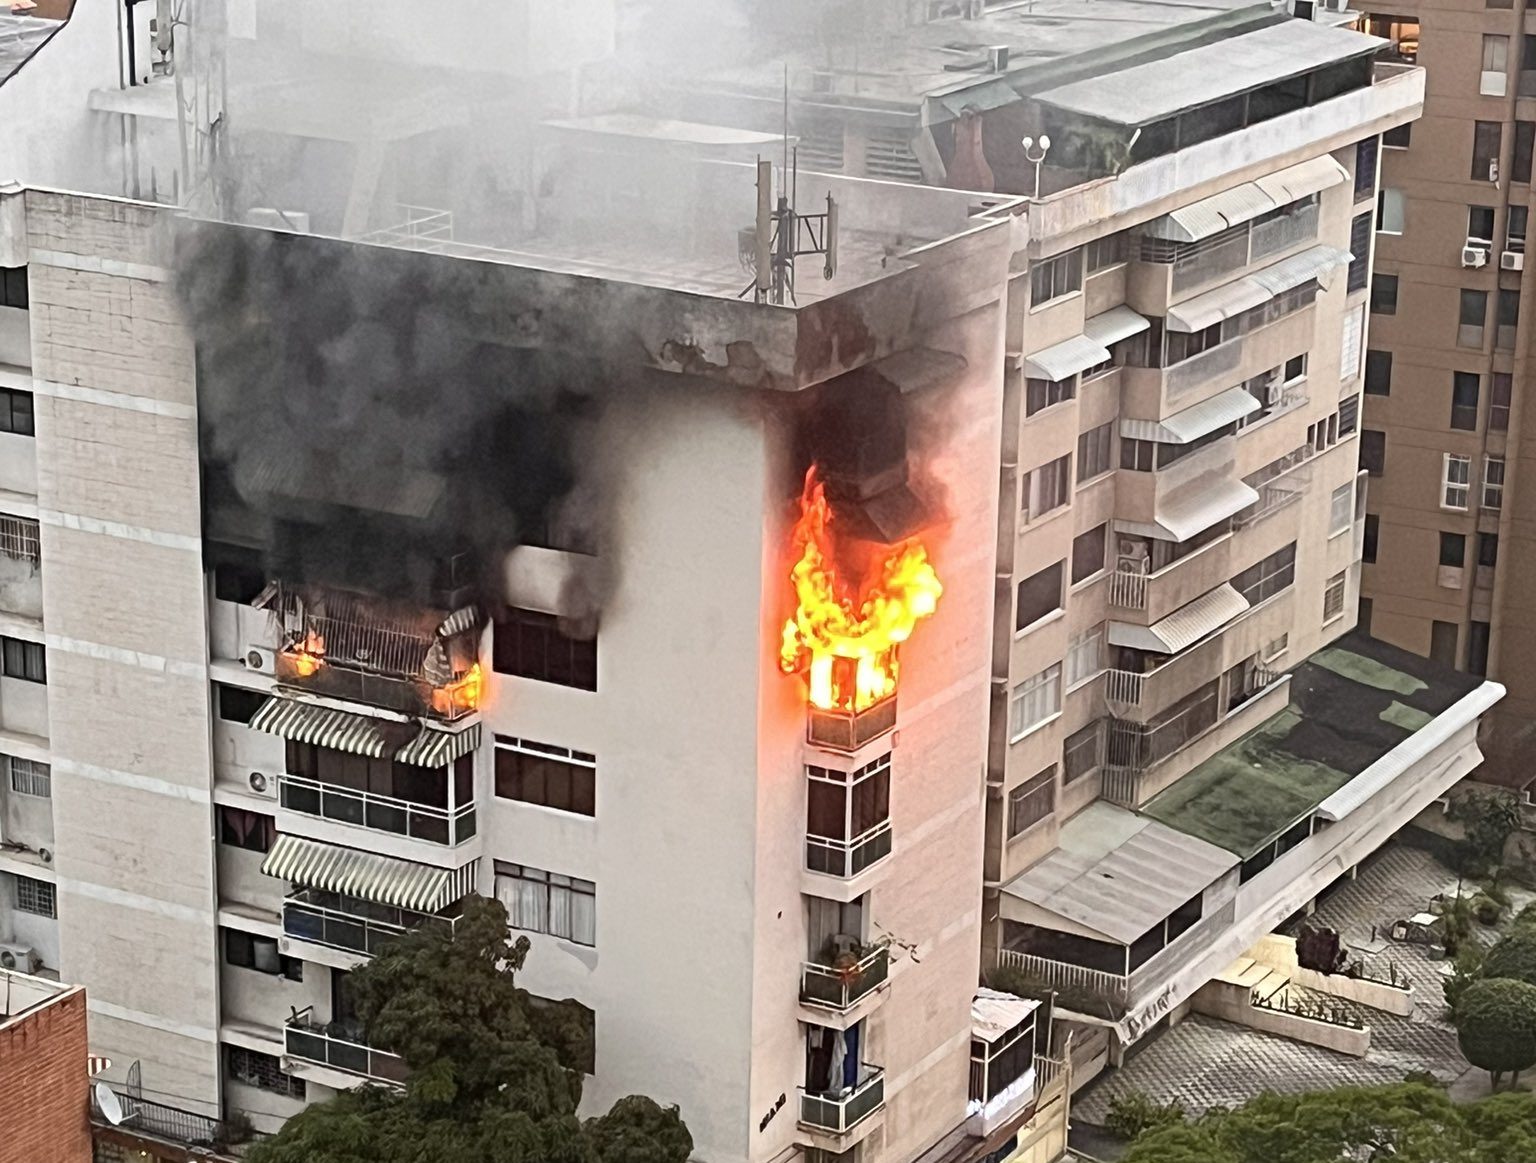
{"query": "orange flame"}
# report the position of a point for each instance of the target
(309, 655)
(463, 694)
(845, 642)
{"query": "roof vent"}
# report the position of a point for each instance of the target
(997, 58)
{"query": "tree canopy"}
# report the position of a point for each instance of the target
(1407, 1123)
(494, 1072)
(1513, 956)
(1496, 1025)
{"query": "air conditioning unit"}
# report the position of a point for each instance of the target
(261, 659)
(1474, 256)
(1512, 260)
(262, 784)
(1493, 171)
(20, 958)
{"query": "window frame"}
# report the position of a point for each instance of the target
(1090, 444)
(1056, 486)
(574, 886)
(1039, 579)
(1466, 390)
(1055, 277)
(511, 656)
(1492, 498)
(1345, 493)
(1024, 811)
(23, 660)
(578, 769)
(1450, 487)
(1333, 597)
(1048, 681)
(1085, 648)
(1075, 578)
(1383, 293)
(39, 898)
(29, 777)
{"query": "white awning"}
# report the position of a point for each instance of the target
(1118, 873)
(1193, 511)
(383, 880)
(433, 748)
(1212, 307)
(1066, 359)
(1312, 263)
(1243, 203)
(1114, 325)
(1206, 417)
(994, 1013)
(1185, 626)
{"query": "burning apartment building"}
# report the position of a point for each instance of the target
(797, 575)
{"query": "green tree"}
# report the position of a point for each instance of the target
(1496, 1025)
(494, 1073)
(1513, 956)
(1488, 820)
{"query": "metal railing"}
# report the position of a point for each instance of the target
(842, 1113)
(1120, 785)
(320, 925)
(338, 1046)
(850, 730)
(419, 228)
(1124, 686)
(841, 988)
(1273, 235)
(1202, 369)
(847, 858)
(379, 813)
(1062, 975)
(1128, 590)
(19, 539)
(170, 1123)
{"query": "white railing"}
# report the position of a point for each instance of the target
(1124, 686)
(420, 228)
(1065, 976)
(848, 858)
(1128, 590)
(19, 539)
(840, 988)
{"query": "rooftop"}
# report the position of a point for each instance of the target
(21, 994)
(1350, 705)
(20, 37)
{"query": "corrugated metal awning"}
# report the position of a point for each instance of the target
(994, 1013)
(990, 95)
(1212, 307)
(367, 875)
(434, 748)
(321, 726)
(1185, 626)
(1193, 511)
(1206, 417)
(1113, 325)
(1246, 202)
(1118, 873)
(1065, 359)
(1296, 182)
(462, 619)
(1289, 273)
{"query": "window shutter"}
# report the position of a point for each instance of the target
(1349, 344)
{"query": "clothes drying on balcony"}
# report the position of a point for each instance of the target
(1185, 626)
(1116, 873)
(368, 876)
(1243, 203)
(1187, 426)
(1250, 291)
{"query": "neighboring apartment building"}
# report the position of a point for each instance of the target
(1444, 377)
(44, 1074)
(1094, 451)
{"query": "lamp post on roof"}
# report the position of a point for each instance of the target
(1037, 159)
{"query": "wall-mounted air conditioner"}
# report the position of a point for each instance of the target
(1473, 256)
(20, 958)
(1512, 260)
(262, 784)
(1493, 171)
(261, 659)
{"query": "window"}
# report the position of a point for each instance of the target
(1341, 512)
(1480, 225)
(16, 412)
(1509, 320)
(1085, 655)
(19, 539)
(252, 831)
(1498, 401)
(546, 902)
(532, 645)
(1274, 648)
(1048, 488)
(24, 660)
(1495, 65)
(1333, 598)
(1525, 138)
(1295, 369)
(1349, 416)
(1390, 211)
(236, 704)
(13, 288)
(1378, 373)
(1095, 451)
(1373, 451)
(1275, 574)
(1363, 621)
(1464, 387)
(1488, 549)
(28, 777)
(1032, 801)
(36, 897)
(1365, 168)
(1514, 228)
(1042, 394)
(1477, 648)
(248, 951)
(1088, 553)
(552, 777)
(1372, 532)
(1034, 701)
(1398, 136)
(1384, 294)
(1103, 253)
(1324, 434)
(1053, 277)
(1443, 638)
(1453, 550)
(1083, 753)
(1486, 136)
(1493, 482)
(1455, 481)
(1360, 251)
(1039, 595)
(1474, 314)
(848, 817)
(263, 1071)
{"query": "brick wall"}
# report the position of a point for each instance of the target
(43, 1085)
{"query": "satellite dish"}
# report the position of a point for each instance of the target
(111, 1107)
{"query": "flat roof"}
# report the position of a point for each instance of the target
(21, 994)
(1351, 704)
(1159, 89)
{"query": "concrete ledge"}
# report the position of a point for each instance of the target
(1230, 1003)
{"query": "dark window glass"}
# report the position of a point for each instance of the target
(1509, 319)
(1088, 553)
(1042, 394)
(1378, 373)
(1398, 136)
(264, 1071)
(1486, 136)
(549, 776)
(16, 412)
(24, 660)
(1053, 277)
(1360, 248)
(1525, 138)
(1488, 549)
(1443, 640)
(1453, 549)
(1365, 169)
(1477, 648)
(238, 705)
(1372, 532)
(1480, 223)
(248, 951)
(1464, 388)
(1365, 616)
(13, 288)
(238, 573)
(1384, 294)
(531, 645)
(1473, 308)
(1373, 451)
(251, 831)
(1498, 401)
(1039, 595)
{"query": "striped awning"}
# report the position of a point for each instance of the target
(321, 726)
(462, 619)
(433, 748)
(367, 875)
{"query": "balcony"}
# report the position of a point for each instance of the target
(841, 987)
(448, 826)
(840, 730)
(363, 927)
(839, 1114)
(339, 1046)
(1156, 595)
(848, 858)
(149, 1122)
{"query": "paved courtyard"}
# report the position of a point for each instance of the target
(1205, 1062)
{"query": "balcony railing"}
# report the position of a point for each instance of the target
(340, 1047)
(850, 730)
(840, 1114)
(305, 920)
(1127, 590)
(847, 858)
(377, 812)
(171, 1124)
(841, 988)
(1075, 981)
(1124, 687)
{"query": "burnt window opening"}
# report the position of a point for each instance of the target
(238, 705)
(239, 574)
(531, 644)
(251, 831)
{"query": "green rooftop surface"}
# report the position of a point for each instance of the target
(1351, 703)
